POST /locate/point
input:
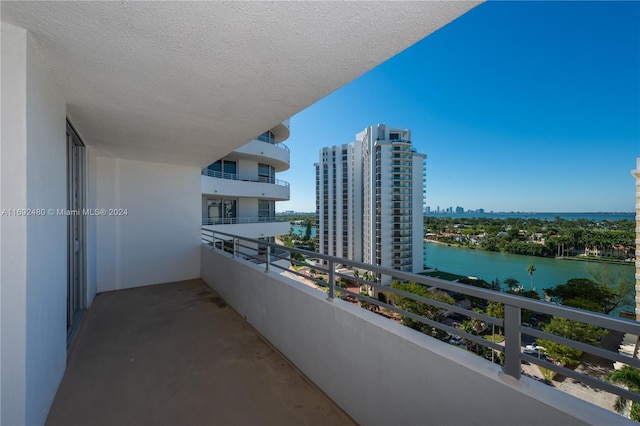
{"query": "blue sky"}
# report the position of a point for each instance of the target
(519, 106)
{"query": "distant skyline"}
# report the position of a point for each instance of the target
(519, 106)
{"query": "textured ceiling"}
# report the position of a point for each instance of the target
(188, 82)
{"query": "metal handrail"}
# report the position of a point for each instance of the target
(245, 178)
(513, 304)
(268, 138)
(282, 146)
(237, 220)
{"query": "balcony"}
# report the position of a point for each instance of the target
(249, 226)
(263, 151)
(228, 184)
(149, 120)
(178, 354)
(435, 377)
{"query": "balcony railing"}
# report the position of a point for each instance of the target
(244, 178)
(514, 305)
(238, 220)
(268, 138)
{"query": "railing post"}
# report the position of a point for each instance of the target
(512, 340)
(235, 247)
(332, 280)
(213, 239)
(268, 259)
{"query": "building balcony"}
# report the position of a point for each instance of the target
(233, 185)
(339, 338)
(263, 151)
(177, 354)
(249, 226)
(406, 249)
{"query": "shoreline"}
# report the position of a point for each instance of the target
(573, 258)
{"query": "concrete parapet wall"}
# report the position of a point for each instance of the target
(379, 371)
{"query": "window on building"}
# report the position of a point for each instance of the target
(266, 210)
(266, 173)
(230, 167)
(267, 137)
(222, 211)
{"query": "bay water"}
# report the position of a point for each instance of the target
(489, 265)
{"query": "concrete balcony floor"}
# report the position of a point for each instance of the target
(176, 354)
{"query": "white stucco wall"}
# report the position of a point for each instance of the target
(13, 248)
(253, 230)
(158, 240)
(247, 168)
(266, 153)
(34, 268)
(91, 224)
(233, 188)
(247, 207)
(378, 371)
(46, 239)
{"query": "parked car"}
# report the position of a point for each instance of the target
(538, 351)
(455, 340)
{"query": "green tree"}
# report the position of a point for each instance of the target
(615, 280)
(417, 307)
(531, 269)
(496, 310)
(630, 377)
(574, 330)
(512, 284)
(467, 327)
(364, 302)
(477, 325)
(495, 285)
(307, 232)
(584, 292)
(531, 294)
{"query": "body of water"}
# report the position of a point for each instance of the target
(489, 265)
(300, 230)
(542, 216)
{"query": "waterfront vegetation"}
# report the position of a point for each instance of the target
(602, 293)
(607, 240)
(606, 290)
(304, 240)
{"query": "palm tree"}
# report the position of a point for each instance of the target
(531, 269)
(630, 377)
(496, 310)
(467, 327)
(356, 274)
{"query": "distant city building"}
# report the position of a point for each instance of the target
(459, 209)
(369, 200)
(636, 174)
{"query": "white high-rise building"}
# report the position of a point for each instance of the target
(240, 190)
(369, 199)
